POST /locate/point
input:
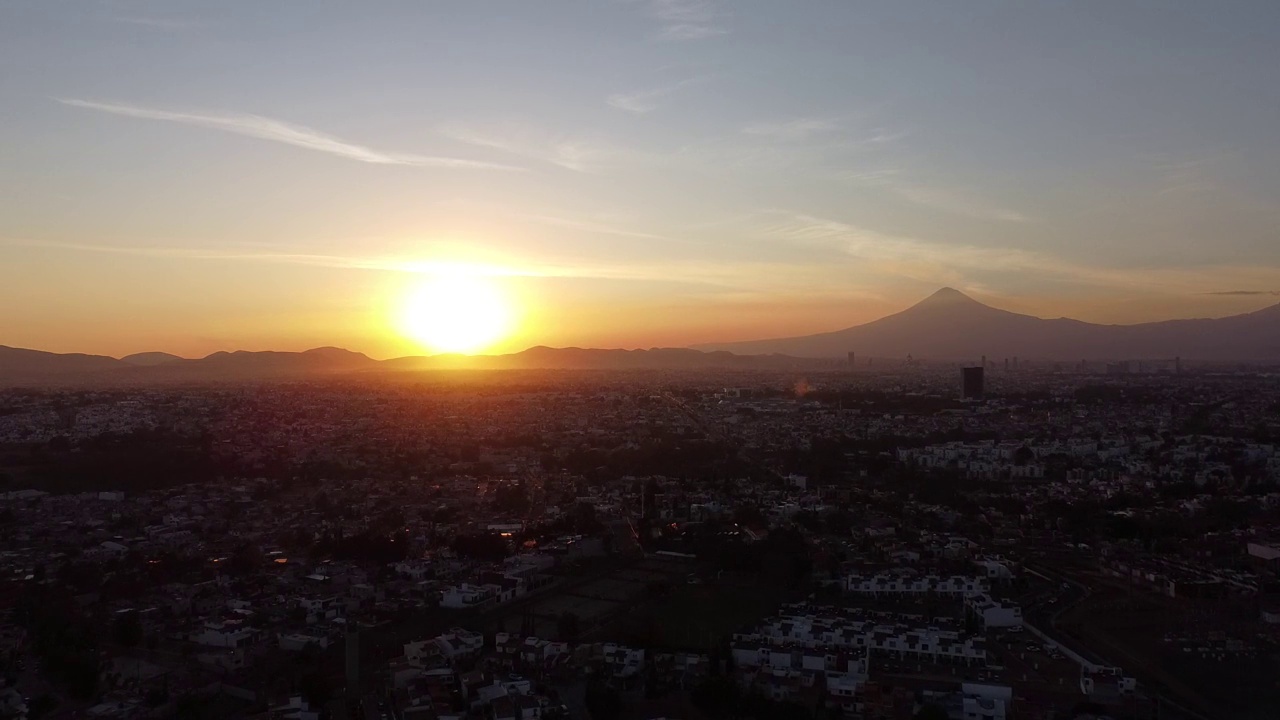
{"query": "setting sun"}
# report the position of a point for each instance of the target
(456, 313)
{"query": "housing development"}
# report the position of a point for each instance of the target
(862, 542)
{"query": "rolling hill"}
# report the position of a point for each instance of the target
(20, 362)
(149, 359)
(947, 325)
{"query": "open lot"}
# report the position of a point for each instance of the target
(617, 590)
(1131, 627)
(598, 601)
(697, 616)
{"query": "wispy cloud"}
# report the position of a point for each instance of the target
(956, 203)
(711, 275)
(882, 176)
(618, 224)
(828, 144)
(957, 263)
(853, 135)
(1272, 293)
(896, 180)
(158, 23)
(593, 227)
(578, 154)
(1186, 177)
(187, 253)
(795, 129)
(685, 20)
(692, 32)
(644, 101)
(264, 128)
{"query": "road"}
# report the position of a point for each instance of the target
(717, 434)
(1045, 612)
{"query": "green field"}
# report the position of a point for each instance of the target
(697, 617)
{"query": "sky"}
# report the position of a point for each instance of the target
(193, 177)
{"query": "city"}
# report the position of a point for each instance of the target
(862, 543)
(639, 360)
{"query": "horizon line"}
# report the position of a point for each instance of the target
(698, 346)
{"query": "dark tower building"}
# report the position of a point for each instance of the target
(971, 381)
(352, 652)
(852, 359)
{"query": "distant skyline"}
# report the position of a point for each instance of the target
(192, 177)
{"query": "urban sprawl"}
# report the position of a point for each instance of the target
(900, 541)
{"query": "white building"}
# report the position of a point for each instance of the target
(458, 643)
(225, 636)
(994, 613)
(467, 596)
(908, 583)
(621, 660)
(297, 641)
(843, 639)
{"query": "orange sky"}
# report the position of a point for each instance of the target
(199, 177)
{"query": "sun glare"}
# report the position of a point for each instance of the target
(456, 313)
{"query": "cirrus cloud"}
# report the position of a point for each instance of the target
(264, 128)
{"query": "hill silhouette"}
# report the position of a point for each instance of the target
(951, 325)
(244, 364)
(149, 359)
(947, 325)
(574, 358)
(27, 367)
(21, 362)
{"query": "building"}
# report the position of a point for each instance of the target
(467, 595)
(971, 379)
(351, 652)
(891, 584)
(993, 613)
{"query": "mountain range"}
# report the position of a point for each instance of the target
(952, 325)
(947, 325)
(20, 366)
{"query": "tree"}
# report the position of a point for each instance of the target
(41, 706)
(128, 629)
(839, 522)
(488, 547)
(156, 697)
(568, 626)
(718, 697)
(651, 681)
(80, 670)
(584, 518)
(189, 706)
(245, 560)
(932, 711)
(603, 702)
(511, 497)
(315, 689)
(1023, 456)
(748, 515)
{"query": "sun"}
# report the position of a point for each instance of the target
(456, 313)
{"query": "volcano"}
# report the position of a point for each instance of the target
(951, 325)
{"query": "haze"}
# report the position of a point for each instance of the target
(196, 177)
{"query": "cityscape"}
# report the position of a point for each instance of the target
(639, 360)
(915, 538)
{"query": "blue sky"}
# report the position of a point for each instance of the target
(199, 176)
